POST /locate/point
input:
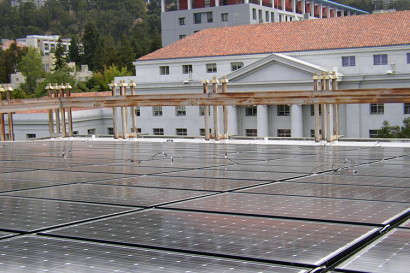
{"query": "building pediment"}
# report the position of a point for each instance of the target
(275, 68)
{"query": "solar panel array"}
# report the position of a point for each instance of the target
(138, 206)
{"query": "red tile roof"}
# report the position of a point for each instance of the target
(86, 94)
(371, 30)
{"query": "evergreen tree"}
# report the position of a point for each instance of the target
(74, 51)
(61, 60)
(9, 61)
(90, 43)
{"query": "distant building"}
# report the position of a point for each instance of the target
(181, 18)
(38, 3)
(366, 51)
(7, 43)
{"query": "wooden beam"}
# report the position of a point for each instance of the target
(305, 97)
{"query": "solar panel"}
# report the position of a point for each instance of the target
(335, 191)
(7, 185)
(382, 170)
(405, 224)
(122, 169)
(66, 176)
(187, 183)
(105, 194)
(353, 179)
(39, 254)
(370, 212)
(19, 214)
(388, 254)
(5, 234)
(293, 242)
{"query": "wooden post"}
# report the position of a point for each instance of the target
(216, 110)
(329, 111)
(324, 107)
(62, 112)
(335, 107)
(69, 111)
(124, 117)
(10, 115)
(132, 84)
(113, 86)
(57, 112)
(316, 78)
(206, 111)
(49, 89)
(224, 82)
(2, 123)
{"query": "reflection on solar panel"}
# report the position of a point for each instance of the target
(388, 254)
(294, 242)
(113, 206)
(35, 254)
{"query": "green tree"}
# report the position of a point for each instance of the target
(32, 69)
(74, 51)
(90, 43)
(100, 80)
(61, 76)
(106, 53)
(61, 60)
(9, 61)
(395, 131)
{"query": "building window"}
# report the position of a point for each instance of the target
(260, 16)
(408, 58)
(202, 131)
(158, 131)
(207, 3)
(312, 132)
(380, 59)
(202, 110)
(377, 109)
(180, 110)
(254, 14)
(211, 68)
(284, 133)
(209, 17)
(181, 131)
(236, 65)
(187, 68)
(164, 70)
(267, 16)
(91, 131)
(110, 131)
(312, 110)
(224, 18)
(138, 130)
(137, 111)
(181, 21)
(283, 110)
(373, 133)
(182, 36)
(157, 111)
(30, 135)
(407, 108)
(251, 132)
(75, 133)
(251, 111)
(272, 17)
(197, 18)
(348, 61)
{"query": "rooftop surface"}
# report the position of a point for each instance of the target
(135, 206)
(371, 30)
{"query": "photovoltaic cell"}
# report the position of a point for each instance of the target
(405, 224)
(105, 194)
(5, 234)
(59, 176)
(370, 212)
(383, 170)
(39, 254)
(7, 185)
(19, 214)
(388, 254)
(187, 183)
(289, 241)
(122, 169)
(335, 191)
(345, 179)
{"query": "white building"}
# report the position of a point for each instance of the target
(181, 18)
(368, 51)
(38, 3)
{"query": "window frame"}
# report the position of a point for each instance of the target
(283, 110)
(137, 111)
(211, 68)
(181, 131)
(377, 109)
(380, 59)
(180, 111)
(157, 111)
(181, 21)
(187, 68)
(406, 108)
(312, 110)
(251, 132)
(251, 111)
(164, 70)
(209, 17)
(182, 36)
(30, 136)
(373, 133)
(225, 17)
(284, 132)
(197, 18)
(236, 65)
(348, 61)
(158, 131)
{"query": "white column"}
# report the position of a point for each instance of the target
(189, 4)
(162, 5)
(246, 1)
(320, 10)
(303, 6)
(296, 117)
(312, 8)
(342, 13)
(233, 120)
(283, 5)
(328, 12)
(217, 3)
(348, 13)
(294, 3)
(260, 2)
(262, 121)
